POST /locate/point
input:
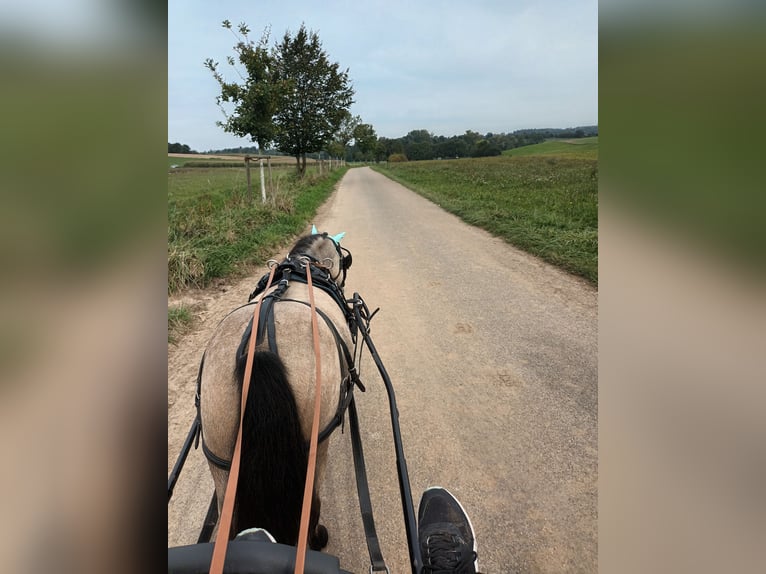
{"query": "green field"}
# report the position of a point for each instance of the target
(216, 230)
(544, 203)
(183, 162)
(228, 161)
(585, 148)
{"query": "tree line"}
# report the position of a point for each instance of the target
(179, 148)
(421, 144)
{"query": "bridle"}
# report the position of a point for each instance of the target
(344, 256)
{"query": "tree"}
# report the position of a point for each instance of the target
(418, 145)
(485, 148)
(314, 96)
(344, 134)
(256, 99)
(179, 148)
(366, 139)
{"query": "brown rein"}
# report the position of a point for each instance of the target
(224, 526)
(300, 559)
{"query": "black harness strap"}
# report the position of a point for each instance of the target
(267, 330)
(377, 564)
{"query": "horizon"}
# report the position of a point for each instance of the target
(273, 149)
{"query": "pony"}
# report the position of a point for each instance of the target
(279, 410)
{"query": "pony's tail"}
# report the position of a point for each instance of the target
(274, 453)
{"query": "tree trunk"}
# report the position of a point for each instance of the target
(298, 164)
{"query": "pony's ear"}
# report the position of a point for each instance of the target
(337, 238)
(314, 229)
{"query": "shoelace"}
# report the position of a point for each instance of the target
(447, 554)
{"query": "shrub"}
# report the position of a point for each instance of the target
(396, 157)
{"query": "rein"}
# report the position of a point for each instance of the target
(300, 560)
(224, 526)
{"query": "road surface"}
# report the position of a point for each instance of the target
(493, 355)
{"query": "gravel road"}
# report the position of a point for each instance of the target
(493, 355)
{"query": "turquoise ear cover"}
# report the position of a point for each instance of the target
(335, 238)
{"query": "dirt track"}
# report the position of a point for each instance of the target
(493, 355)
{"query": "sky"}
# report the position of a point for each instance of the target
(446, 67)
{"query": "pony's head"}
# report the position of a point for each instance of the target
(324, 250)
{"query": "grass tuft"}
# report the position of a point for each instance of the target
(180, 321)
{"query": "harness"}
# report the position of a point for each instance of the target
(291, 269)
(358, 317)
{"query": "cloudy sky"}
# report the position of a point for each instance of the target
(446, 67)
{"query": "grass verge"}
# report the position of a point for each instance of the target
(215, 229)
(544, 204)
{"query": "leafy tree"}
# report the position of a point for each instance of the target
(344, 134)
(179, 148)
(485, 148)
(451, 148)
(418, 145)
(366, 140)
(335, 149)
(314, 96)
(256, 99)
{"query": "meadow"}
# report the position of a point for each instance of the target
(584, 148)
(542, 200)
(181, 160)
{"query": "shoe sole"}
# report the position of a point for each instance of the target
(467, 517)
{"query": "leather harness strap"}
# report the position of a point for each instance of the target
(377, 563)
(308, 492)
(224, 525)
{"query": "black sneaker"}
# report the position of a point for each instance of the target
(447, 541)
